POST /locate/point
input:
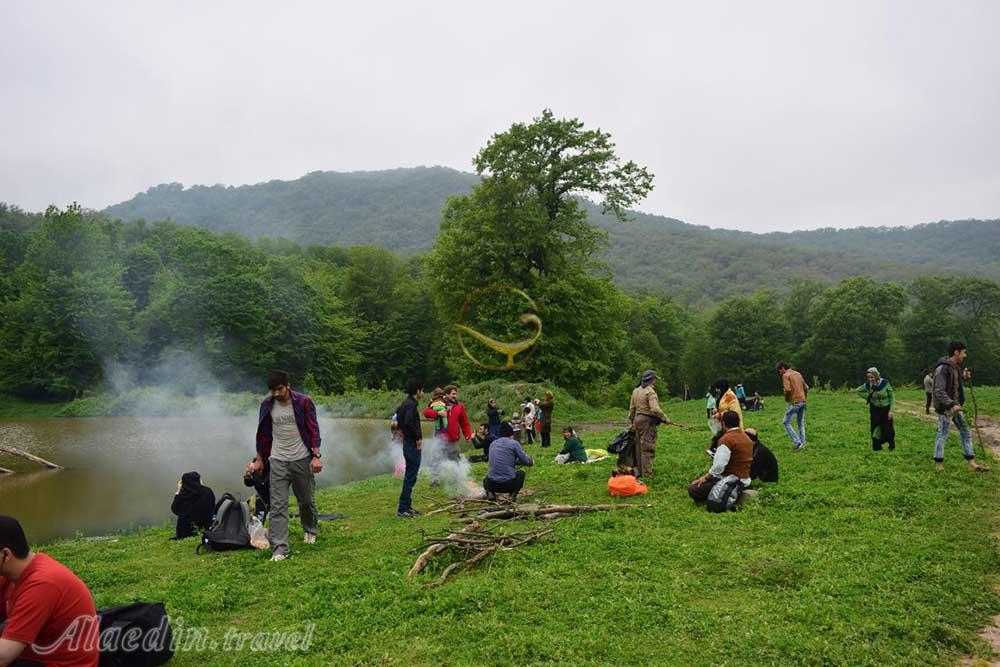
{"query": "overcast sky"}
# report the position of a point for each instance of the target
(752, 115)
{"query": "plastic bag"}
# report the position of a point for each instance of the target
(258, 534)
(624, 486)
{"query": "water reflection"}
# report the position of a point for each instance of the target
(121, 472)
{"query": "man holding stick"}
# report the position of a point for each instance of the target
(645, 414)
(949, 396)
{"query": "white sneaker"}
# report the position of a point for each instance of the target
(279, 557)
(309, 538)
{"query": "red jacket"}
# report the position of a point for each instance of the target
(456, 418)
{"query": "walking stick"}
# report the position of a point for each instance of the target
(975, 420)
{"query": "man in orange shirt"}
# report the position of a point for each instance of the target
(795, 395)
(46, 612)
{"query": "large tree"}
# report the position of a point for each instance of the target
(523, 226)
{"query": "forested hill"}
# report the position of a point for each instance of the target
(399, 209)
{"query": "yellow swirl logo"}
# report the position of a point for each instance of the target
(508, 349)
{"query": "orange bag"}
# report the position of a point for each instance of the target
(625, 486)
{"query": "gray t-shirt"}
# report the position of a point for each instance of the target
(287, 443)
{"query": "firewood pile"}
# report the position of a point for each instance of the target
(479, 540)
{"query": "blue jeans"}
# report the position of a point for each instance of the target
(412, 457)
(944, 424)
(796, 410)
(494, 430)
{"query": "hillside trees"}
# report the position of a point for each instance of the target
(852, 325)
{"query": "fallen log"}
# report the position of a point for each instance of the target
(5, 471)
(15, 451)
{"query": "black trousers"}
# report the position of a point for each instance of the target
(546, 438)
(510, 486)
(927, 404)
(879, 419)
(699, 492)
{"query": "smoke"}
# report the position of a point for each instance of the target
(455, 474)
(179, 383)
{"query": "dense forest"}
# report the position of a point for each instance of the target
(400, 210)
(91, 302)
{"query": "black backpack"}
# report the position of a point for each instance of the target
(725, 494)
(229, 526)
(136, 635)
(624, 440)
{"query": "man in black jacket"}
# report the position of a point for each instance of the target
(408, 421)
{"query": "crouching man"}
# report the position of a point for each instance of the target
(46, 612)
(505, 454)
(733, 456)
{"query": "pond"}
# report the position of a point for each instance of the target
(121, 472)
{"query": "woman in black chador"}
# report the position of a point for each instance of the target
(193, 504)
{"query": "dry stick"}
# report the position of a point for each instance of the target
(975, 420)
(31, 457)
(444, 575)
(435, 549)
(5, 471)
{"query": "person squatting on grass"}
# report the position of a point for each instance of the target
(456, 425)
(765, 464)
(482, 440)
(193, 504)
(47, 614)
(733, 456)
(288, 439)
(949, 397)
(503, 475)
(408, 423)
(796, 391)
(881, 399)
(645, 415)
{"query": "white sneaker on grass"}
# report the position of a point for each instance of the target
(309, 538)
(279, 557)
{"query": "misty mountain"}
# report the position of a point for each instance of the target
(399, 209)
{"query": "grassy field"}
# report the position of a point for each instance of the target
(854, 558)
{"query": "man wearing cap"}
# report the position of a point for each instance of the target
(645, 414)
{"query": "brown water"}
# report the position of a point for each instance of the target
(122, 472)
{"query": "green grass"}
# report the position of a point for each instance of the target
(16, 408)
(854, 558)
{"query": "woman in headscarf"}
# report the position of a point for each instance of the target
(881, 399)
(726, 400)
(645, 414)
(193, 504)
